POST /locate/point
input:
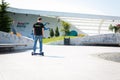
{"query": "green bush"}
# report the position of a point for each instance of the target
(73, 33)
(51, 33)
(57, 32)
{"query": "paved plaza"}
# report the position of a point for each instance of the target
(60, 63)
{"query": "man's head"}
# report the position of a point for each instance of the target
(39, 19)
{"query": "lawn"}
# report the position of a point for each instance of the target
(47, 40)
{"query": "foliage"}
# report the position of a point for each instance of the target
(51, 32)
(5, 20)
(81, 35)
(65, 27)
(57, 32)
(115, 28)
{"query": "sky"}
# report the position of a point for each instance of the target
(99, 7)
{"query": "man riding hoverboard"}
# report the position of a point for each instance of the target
(38, 30)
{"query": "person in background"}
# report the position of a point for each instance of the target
(38, 30)
(13, 27)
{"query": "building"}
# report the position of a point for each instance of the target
(82, 23)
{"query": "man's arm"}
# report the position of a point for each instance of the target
(43, 32)
(33, 30)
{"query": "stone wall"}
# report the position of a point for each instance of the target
(7, 38)
(104, 39)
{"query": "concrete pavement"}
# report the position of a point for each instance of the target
(60, 63)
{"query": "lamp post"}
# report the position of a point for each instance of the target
(2, 1)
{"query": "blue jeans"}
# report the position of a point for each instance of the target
(36, 38)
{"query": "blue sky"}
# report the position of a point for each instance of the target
(102, 7)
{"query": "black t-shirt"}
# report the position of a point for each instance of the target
(38, 28)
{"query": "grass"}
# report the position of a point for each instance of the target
(47, 40)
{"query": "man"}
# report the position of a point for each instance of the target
(38, 29)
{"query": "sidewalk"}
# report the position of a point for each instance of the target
(60, 63)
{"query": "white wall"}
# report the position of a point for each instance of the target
(30, 20)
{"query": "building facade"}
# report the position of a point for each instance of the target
(82, 23)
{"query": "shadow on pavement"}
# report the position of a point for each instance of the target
(2, 52)
(54, 56)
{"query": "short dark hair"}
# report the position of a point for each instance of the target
(39, 18)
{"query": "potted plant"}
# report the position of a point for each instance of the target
(115, 28)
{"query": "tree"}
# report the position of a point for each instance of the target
(57, 32)
(5, 20)
(51, 32)
(66, 27)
